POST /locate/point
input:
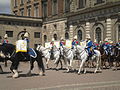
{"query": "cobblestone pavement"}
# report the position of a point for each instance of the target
(59, 80)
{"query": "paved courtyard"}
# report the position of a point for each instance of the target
(59, 80)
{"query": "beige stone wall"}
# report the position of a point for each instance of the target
(17, 29)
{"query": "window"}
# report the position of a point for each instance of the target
(67, 5)
(15, 3)
(54, 7)
(55, 36)
(36, 11)
(37, 34)
(99, 2)
(81, 4)
(22, 2)
(29, 12)
(98, 34)
(45, 38)
(28, 1)
(9, 33)
(22, 12)
(66, 35)
(15, 12)
(79, 35)
(44, 9)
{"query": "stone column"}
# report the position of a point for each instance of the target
(108, 29)
(87, 28)
(71, 32)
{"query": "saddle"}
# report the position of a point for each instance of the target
(32, 52)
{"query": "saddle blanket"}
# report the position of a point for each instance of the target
(32, 52)
(21, 46)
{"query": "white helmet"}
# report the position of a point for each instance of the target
(6, 36)
(88, 36)
(26, 34)
(106, 39)
(61, 38)
(53, 39)
(95, 40)
(75, 37)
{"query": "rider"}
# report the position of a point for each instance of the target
(62, 42)
(111, 46)
(26, 39)
(105, 45)
(5, 41)
(95, 44)
(74, 42)
(89, 46)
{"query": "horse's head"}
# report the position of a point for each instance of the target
(39, 47)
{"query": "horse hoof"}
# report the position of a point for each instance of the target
(42, 74)
(78, 73)
(15, 76)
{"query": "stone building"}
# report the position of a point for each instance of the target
(67, 18)
(31, 8)
(16, 26)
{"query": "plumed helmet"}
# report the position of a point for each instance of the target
(111, 42)
(61, 38)
(53, 39)
(95, 40)
(106, 39)
(6, 36)
(88, 36)
(26, 34)
(75, 37)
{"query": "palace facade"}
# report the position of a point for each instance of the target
(67, 18)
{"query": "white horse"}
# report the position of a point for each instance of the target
(69, 55)
(83, 56)
(47, 54)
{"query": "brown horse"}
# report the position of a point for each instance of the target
(104, 57)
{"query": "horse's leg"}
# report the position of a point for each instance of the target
(68, 63)
(41, 66)
(14, 67)
(5, 63)
(81, 66)
(31, 66)
(1, 70)
(97, 64)
(47, 61)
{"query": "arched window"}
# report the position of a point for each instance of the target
(98, 34)
(55, 36)
(79, 35)
(66, 35)
(45, 38)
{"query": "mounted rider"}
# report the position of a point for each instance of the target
(89, 46)
(105, 45)
(95, 44)
(62, 42)
(74, 42)
(26, 35)
(5, 41)
(111, 47)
